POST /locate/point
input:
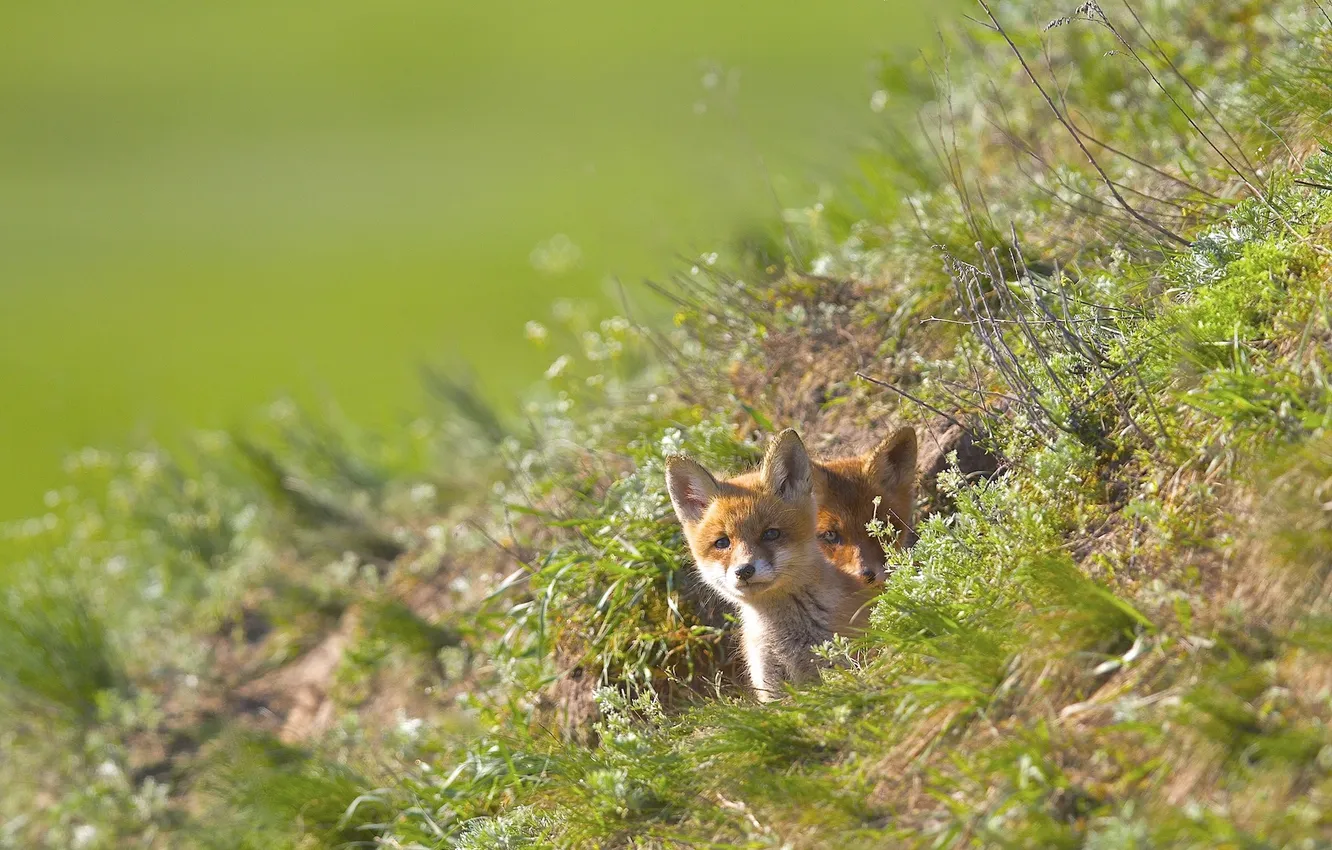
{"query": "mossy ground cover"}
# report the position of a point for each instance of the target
(1105, 257)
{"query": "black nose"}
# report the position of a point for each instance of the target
(869, 575)
(744, 572)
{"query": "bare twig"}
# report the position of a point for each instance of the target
(1258, 193)
(910, 397)
(1326, 16)
(1193, 90)
(1147, 165)
(1174, 237)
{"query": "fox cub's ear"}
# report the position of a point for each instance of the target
(691, 487)
(892, 464)
(786, 468)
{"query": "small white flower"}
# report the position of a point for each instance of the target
(84, 835)
(423, 493)
(108, 770)
(536, 332)
(672, 441)
(563, 310)
(409, 727)
(557, 368)
(244, 517)
(555, 256)
(879, 100)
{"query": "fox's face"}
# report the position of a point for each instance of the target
(754, 534)
(845, 489)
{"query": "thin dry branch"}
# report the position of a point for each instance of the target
(1155, 226)
(904, 394)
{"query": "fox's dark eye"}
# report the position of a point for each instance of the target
(771, 534)
(722, 543)
(830, 536)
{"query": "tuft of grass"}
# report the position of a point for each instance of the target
(272, 795)
(60, 658)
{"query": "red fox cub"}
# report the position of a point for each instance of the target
(754, 538)
(845, 489)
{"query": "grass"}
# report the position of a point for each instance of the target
(60, 658)
(481, 631)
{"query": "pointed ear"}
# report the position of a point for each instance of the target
(691, 487)
(786, 468)
(892, 464)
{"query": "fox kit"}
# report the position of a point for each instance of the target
(754, 538)
(845, 489)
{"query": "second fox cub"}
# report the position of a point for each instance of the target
(846, 488)
(754, 538)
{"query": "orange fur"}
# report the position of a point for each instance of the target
(846, 488)
(753, 538)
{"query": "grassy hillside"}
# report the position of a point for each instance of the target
(1097, 262)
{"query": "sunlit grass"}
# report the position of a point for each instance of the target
(481, 629)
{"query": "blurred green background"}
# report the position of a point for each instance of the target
(203, 205)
